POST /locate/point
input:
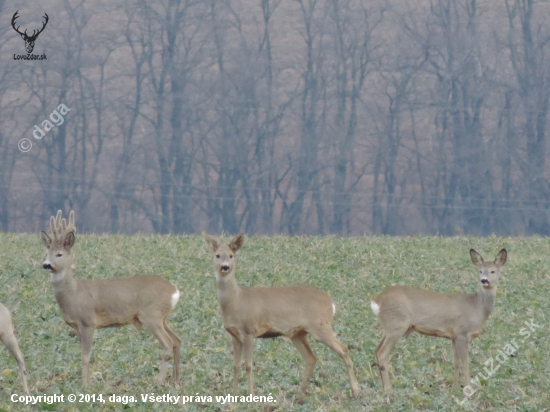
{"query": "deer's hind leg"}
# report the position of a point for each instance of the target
(300, 342)
(10, 341)
(176, 347)
(395, 326)
(157, 328)
(328, 337)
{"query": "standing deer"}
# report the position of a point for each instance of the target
(291, 311)
(7, 337)
(87, 305)
(459, 317)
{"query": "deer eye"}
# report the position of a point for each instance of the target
(230, 256)
(217, 256)
(59, 255)
(492, 271)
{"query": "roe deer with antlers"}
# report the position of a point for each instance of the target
(87, 305)
(291, 311)
(459, 317)
(7, 337)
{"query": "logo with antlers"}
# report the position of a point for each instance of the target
(29, 40)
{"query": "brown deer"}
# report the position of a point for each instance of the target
(459, 317)
(291, 311)
(87, 305)
(7, 337)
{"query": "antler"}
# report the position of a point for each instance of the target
(34, 36)
(15, 16)
(59, 226)
(34, 33)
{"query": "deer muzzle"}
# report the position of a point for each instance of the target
(47, 266)
(224, 268)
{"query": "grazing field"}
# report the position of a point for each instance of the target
(352, 270)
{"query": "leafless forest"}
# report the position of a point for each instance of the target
(339, 117)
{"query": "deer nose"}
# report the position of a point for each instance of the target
(47, 266)
(485, 281)
(225, 268)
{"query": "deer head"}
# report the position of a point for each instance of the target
(489, 272)
(224, 254)
(59, 248)
(29, 40)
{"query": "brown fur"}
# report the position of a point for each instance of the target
(7, 337)
(87, 305)
(459, 317)
(291, 311)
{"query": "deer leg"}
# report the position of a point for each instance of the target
(383, 354)
(300, 342)
(328, 337)
(237, 357)
(378, 347)
(462, 351)
(176, 347)
(86, 338)
(376, 351)
(167, 346)
(248, 349)
(10, 341)
(456, 365)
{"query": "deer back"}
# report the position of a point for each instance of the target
(279, 309)
(116, 302)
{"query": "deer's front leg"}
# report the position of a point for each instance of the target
(237, 358)
(86, 334)
(462, 350)
(457, 365)
(248, 349)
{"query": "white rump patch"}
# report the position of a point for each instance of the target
(375, 307)
(333, 309)
(175, 298)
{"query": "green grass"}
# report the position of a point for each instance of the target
(351, 270)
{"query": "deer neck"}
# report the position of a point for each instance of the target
(486, 300)
(64, 283)
(228, 290)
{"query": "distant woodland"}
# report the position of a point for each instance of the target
(340, 117)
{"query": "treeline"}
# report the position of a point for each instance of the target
(267, 116)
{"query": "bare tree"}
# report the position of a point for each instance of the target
(528, 48)
(353, 48)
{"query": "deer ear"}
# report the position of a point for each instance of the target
(501, 258)
(476, 258)
(210, 241)
(237, 242)
(45, 239)
(68, 242)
